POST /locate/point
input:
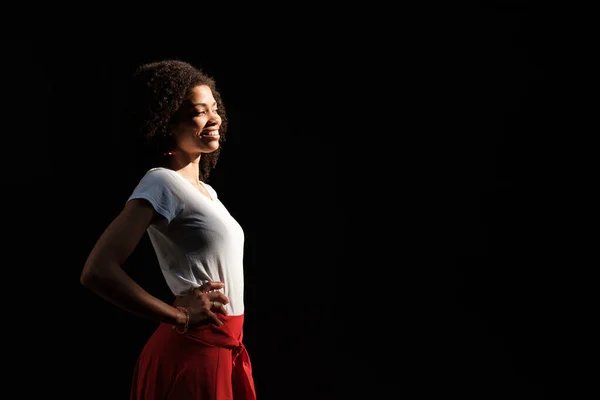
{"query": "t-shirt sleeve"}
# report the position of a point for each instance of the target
(159, 188)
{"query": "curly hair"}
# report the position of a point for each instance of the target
(157, 91)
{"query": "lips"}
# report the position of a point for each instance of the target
(210, 133)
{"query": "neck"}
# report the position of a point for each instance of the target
(186, 166)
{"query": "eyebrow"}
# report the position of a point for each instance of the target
(202, 104)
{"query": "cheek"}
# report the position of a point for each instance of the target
(190, 126)
(197, 123)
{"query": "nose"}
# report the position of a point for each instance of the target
(214, 115)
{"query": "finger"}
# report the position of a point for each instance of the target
(218, 296)
(219, 307)
(214, 318)
(211, 285)
(208, 287)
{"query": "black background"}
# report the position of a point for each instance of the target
(411, 226)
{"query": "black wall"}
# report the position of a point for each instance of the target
(402, 188)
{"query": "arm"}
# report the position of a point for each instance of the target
(103, 272)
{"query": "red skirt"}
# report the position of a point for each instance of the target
(208, 362)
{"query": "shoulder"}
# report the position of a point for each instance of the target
(159, 175)
(159, 182)
(162, 189)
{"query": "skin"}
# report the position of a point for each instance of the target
(196, 116)
(103, 272)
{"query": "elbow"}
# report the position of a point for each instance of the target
(96, 280)
(94, 272)
(86, 278)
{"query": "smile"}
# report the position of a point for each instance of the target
(212, 136)
(214, 133)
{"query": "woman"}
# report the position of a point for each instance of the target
(197, 351)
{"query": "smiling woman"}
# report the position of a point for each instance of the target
(195, 126)
(197, 351)
(185, 101)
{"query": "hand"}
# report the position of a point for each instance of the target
(204, 302)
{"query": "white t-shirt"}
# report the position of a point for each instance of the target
(198, 240)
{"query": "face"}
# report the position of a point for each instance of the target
(196, 126)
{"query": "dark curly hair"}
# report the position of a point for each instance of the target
(156, 92)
